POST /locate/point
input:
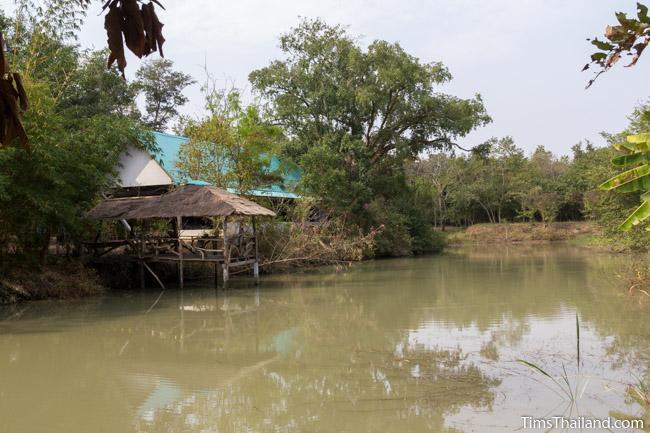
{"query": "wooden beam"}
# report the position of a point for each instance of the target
(154, 275)
(226, 252)
(256, 264)
(179, 227)
(140, 255)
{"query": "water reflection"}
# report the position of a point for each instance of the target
(425, 344)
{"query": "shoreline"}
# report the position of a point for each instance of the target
(69, 279)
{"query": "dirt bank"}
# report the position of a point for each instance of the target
(62, 280)
(525, 232)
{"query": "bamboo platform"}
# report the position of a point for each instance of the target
(225, 253)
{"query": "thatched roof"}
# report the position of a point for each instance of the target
(186, 201)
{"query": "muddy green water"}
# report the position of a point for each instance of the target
(412, 345)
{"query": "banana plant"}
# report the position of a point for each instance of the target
(636, 156)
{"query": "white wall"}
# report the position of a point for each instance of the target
(137, 168)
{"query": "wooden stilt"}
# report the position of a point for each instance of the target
(216, 265)
(141, 257)
(142, 285)
(226, 252)
(224, 270)
(179, 227)
(180, 273)
(256, 265)
(162, 286)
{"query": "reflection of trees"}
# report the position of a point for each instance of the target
(341, 374)
(474, 289)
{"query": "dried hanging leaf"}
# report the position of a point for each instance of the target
(13, 102)
(629, 37)
(137, 27)
(639, 50)
(157, 31)
(13, 126)
(22, 95)
(133, 27)
(113, 26)
(3, 61)
(147, 21)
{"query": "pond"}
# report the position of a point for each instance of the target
(405, 345)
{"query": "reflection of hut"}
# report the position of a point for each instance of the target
(190, 201)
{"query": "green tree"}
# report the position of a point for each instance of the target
(93, 89)
(432, 179)
(356, 115)
(75, 144)
(162, 87)
(232, 147)
(542, 190)
(493, 180)
(353, 113)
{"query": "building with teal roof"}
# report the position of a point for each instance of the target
(169, 147)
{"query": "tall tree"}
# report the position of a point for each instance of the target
(494, 177)
(162, 87)
(432, 179)
(93, 89)
(355, 114)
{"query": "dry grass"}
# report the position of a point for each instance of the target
(523, 232)
(286, 246)
(635, 275)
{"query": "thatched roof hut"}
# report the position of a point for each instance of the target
(186, 201)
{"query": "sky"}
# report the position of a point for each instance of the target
(524, 57)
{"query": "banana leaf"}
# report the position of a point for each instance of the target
(638, 216)
(631, 180)
(632, 159)
(634, 143)
(638, 138)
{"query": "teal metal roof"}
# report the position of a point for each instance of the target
(169, 147)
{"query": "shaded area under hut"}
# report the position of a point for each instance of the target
(228, 243)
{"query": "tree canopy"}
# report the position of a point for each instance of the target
(162, 88)
(355, 114)
(231, 147)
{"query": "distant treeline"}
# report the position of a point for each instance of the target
(503, 184)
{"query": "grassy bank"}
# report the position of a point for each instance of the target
(584, 233)
(59, 280)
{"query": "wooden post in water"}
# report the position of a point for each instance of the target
(140, 255)
(256, 265)
(226, 252)
(215, 246)
(216, 275)
(179, 227)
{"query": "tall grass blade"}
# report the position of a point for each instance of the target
(541, 370)
(565, 378)
(578, 338)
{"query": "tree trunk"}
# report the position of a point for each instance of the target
(45, 246)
